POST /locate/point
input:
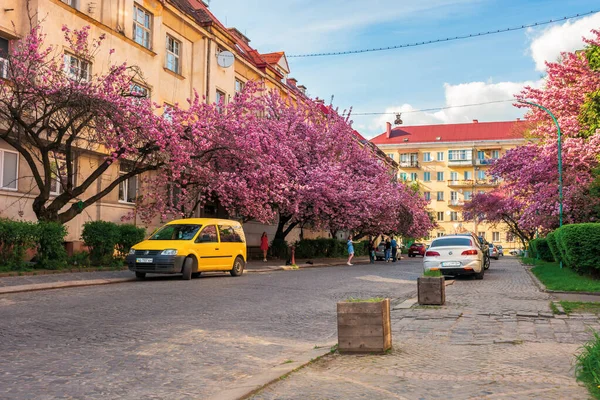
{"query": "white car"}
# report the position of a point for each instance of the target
(455, 255)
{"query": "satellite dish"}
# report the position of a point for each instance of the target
(225, 59)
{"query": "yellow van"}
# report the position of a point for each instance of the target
(191, 246)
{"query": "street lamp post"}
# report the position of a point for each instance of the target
(560, 180)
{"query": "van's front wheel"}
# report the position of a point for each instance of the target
(186, 271)
(238, 267)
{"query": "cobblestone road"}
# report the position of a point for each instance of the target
(495, 338)
(165, 338)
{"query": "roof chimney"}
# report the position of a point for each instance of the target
(518, 119)
(475, 121)
(388, 131)
(302, 88)
(292, 82)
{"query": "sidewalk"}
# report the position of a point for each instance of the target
(27, 283)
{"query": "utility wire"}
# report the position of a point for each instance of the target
(472, 35)
(435, 108)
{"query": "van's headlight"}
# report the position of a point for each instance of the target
(131, 252)
(169, 252)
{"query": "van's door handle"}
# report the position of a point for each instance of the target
(217, 248)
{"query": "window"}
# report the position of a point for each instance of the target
(404, 157)
(440, 156)
(10, 169)
(142, 26)
(59, 175)
(468, 175)
(495, 154)
(220, 100)
(440, 176)
(239, 86)
(427, 176)
(168, 112)
(468, 195)
(495, 236)
(229, 235)
(390, 155)
(481, 155)
(440, 216)
(138, 90)
(3, 57)
(453, 216)
(414, 176)
(173, 52)
(440, 234)
(127, 188)
(426, 157)
(452, 241)
(76, 68)
(176, 232)
(481, 174)
(403, 176)
(440, 196)
(454, 196)
(510, 237)
(459, 155)
(481, 235)
(72, 3)
(208, 235)
(427, 195)
(453, 176)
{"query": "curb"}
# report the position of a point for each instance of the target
(273, 375)
(543, 288)
(61, 285)
(57, 271)
(299, 267)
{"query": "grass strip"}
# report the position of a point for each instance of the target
(556, 278)
(587, 369)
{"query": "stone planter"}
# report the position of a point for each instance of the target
(364, 327)
(432, 290)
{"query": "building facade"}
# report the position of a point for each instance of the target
(450, 164)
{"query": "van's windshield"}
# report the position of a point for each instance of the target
(176, 232)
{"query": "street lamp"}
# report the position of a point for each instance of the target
(560, 180)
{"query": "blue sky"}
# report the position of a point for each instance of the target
(446, 74)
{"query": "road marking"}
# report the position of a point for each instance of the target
(375, 278)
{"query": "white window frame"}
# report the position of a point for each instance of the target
(453, 216)
(427, 176)
(78, 74)
(427, 157)
(72, 3)
(440, 214)
(142, 25)
(468, 195)
(59, 187)
(468, 175)
(173, 54)
(239, 85)
(219, 94)
(440, 196)
(481, 234)
(495, 154)
(390, 155)
(414, 176)
(125, 186)
(440, 156)
(495, 236)
(427, 196)
(440, 174)
(453, 176)
(453, 196)
(16, 181)
(167, 112)
(460, 155)
(4, 61)
(481, 175)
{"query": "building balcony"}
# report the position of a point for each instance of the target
(461, 183)
(484, 161)
(409, 164)
(461, 163)
(486, 182)
(456, 203)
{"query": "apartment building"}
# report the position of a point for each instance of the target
(450, 164)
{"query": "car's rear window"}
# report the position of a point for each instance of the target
(454, 241)
(176, 232)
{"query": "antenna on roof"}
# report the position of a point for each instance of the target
(398, 120)
(331, 101)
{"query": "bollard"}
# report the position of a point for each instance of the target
(293, 255)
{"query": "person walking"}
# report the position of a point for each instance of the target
(350, 245)
(394, 245)
(264, 245)
(388, 249)
(372, 248)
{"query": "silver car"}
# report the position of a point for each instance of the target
(455, 255)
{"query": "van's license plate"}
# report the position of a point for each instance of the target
(143, 260)
(451, 264)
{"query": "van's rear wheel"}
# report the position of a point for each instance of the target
(186, 271)
(238, 267)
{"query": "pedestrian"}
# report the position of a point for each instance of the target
(388, 249)
(394, 248)
(372, 248)
(264, 245)
(350, 250)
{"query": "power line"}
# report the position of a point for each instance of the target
(435, 108)
(472, 35)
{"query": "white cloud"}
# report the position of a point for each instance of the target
(459, 95)
(549, 43)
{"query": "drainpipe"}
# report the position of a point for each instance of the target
(208, 58)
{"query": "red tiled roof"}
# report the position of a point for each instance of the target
(454, 132)
(272, 58)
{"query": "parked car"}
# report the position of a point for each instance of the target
(380, 252)
(493, 251)
(416, 249)
(483, 244)
(456, 255)
(500, 250)
(516, 252)
(190, 247)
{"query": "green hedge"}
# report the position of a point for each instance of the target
(108, 242)
(540, 249)
(328, 248)
(551, 238)
(51, 252)
(579, 246)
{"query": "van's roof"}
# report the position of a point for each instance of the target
(205, 221)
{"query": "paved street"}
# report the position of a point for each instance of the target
(167, 338)
(495, 338)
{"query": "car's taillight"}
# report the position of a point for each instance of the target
(469, 253)
(432, 254)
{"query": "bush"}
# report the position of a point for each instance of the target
(532, 248)
(579, 246)
(551, 238)
(328, 248)
(16, 237)
(129, 235)
(540, 249)
(101, 238)
(51, 253)
(79, 259)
